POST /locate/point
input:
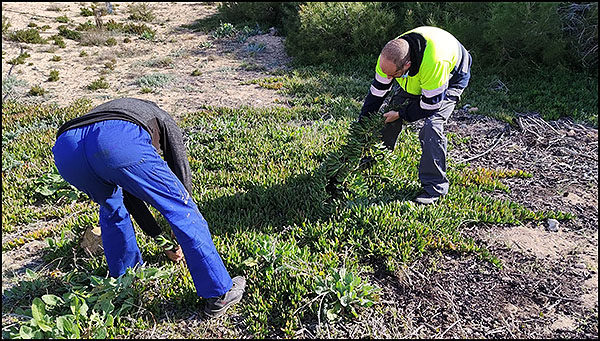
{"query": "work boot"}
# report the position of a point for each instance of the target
(216, 306)
(426, 199)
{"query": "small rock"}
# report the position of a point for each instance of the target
(552, 225)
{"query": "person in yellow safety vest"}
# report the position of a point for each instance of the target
(432, 69)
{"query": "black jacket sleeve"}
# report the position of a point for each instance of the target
(371, 104)
(414, 112)
(141, 214)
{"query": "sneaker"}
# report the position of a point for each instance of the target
(426, 199)
(216, 306)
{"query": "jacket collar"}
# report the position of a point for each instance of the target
(417, 44)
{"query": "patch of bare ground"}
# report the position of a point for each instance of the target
(223, 66)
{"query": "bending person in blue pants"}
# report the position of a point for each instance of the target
(112, 154)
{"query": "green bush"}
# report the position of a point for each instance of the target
(140, 12)
(86, 26)
(99, 83)
(336, 31)
(37, 90)
(19, 59)
(64, 31)
(524, 35)
(265, 14)
(62, 19)
(53, 76)
(31, 36)
(86, 12)
(58, 40)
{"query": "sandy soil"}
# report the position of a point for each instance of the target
(224, 65)
(548, 285)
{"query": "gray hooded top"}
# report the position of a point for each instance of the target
(166, 135)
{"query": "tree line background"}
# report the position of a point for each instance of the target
(504, 37)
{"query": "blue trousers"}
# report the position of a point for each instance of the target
(103, 159)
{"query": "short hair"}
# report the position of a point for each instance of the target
(397, 51)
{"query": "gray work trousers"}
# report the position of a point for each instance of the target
(432, 167)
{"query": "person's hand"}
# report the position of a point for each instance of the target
(175, 254)
(391, 116)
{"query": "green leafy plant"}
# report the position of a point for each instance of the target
(55, 58)
(5, 24)
(64, 31)
(110, 41)
(225, 30)
(52, 186)
(206, 44)
(362, 140)
(99, 83)
(37, 90)
(86, 26)
(165, 241)
(9, 85)
(30, 35)
(86, 12)
(19, 59)
(148, 35)
(59, 41)
(255, 47)
(85, 310)
(341, 291)
(62, 19)
(53, 76)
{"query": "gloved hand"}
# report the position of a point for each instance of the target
(170, 247)
(175, 254)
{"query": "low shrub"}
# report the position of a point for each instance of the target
(334, 31)
(266, 14)
(62, 19)
(99, 83)
(31, 36)
(20, 59)
(69, 34)
(155, 80)
(37, 90)
(53, 76)
(140, 12)
(59, 41)
(86, 12)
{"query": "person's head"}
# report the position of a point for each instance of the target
(395, 58)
